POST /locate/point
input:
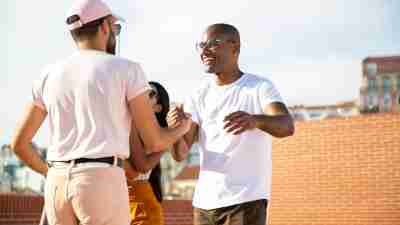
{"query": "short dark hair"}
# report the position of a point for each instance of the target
(225, 29)
(87, 31)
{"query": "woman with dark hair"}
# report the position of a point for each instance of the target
(144, 171)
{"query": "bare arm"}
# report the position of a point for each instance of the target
(140, 159)
(182, 147)
(154, 137)
(21, 142)
(130, 172)
(276, 121)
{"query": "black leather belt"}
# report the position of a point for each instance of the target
(108, 160)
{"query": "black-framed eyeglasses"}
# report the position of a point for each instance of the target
(212, 44)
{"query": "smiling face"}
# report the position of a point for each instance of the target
(215, 52)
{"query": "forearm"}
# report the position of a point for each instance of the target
(276, 125)
(21, 142)
(30, 157)
(180, 150)
(168, 136)
(154, 137)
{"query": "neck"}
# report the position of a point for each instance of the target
(91, 45)
(228, 77)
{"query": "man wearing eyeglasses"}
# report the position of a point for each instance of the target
(235, 115)
(91, 98)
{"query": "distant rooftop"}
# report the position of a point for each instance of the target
(382, 58)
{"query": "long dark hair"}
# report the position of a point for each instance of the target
(163, 100)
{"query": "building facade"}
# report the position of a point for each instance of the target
(17, 177)
(319, 112)
(380, 88)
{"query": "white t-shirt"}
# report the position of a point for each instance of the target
(233, 168)
(86, 97)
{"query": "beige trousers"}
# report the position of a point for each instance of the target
(87, 196)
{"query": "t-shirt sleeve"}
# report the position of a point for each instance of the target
(136, 82)
(268, 93)
(38, 89)
(189, 106)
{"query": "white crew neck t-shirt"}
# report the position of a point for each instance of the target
(86, 96)
(233, 168)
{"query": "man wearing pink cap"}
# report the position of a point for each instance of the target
(91, 98)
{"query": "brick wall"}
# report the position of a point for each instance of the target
(338, 171)
(178, 212)
(16, 209)
(342, 171)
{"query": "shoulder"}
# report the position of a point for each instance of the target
(39, 82)
(198, 94)
(125, 67)
(124, 62)
(258, 80)
(47, 70)
(204, 86)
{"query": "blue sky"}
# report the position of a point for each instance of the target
(311, 49)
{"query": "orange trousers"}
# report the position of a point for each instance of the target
(145, 209)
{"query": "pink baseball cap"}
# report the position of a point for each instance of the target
(88, 11)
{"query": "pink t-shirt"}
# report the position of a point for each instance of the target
(86, 97)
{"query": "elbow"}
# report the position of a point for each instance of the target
(288, 131)
(16, 146)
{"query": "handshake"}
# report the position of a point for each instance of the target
(177, 116)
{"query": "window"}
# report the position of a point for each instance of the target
(386, 94)
(371, 85)
(372, 69)
(372, 94)
(398, 84)
(398, 90)
(386, 84)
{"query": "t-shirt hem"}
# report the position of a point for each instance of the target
(222, 204)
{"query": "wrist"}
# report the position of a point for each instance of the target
(257, 121)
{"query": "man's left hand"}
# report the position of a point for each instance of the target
(238, 122)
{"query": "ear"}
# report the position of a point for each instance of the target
(157, 108)
(236, 48)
